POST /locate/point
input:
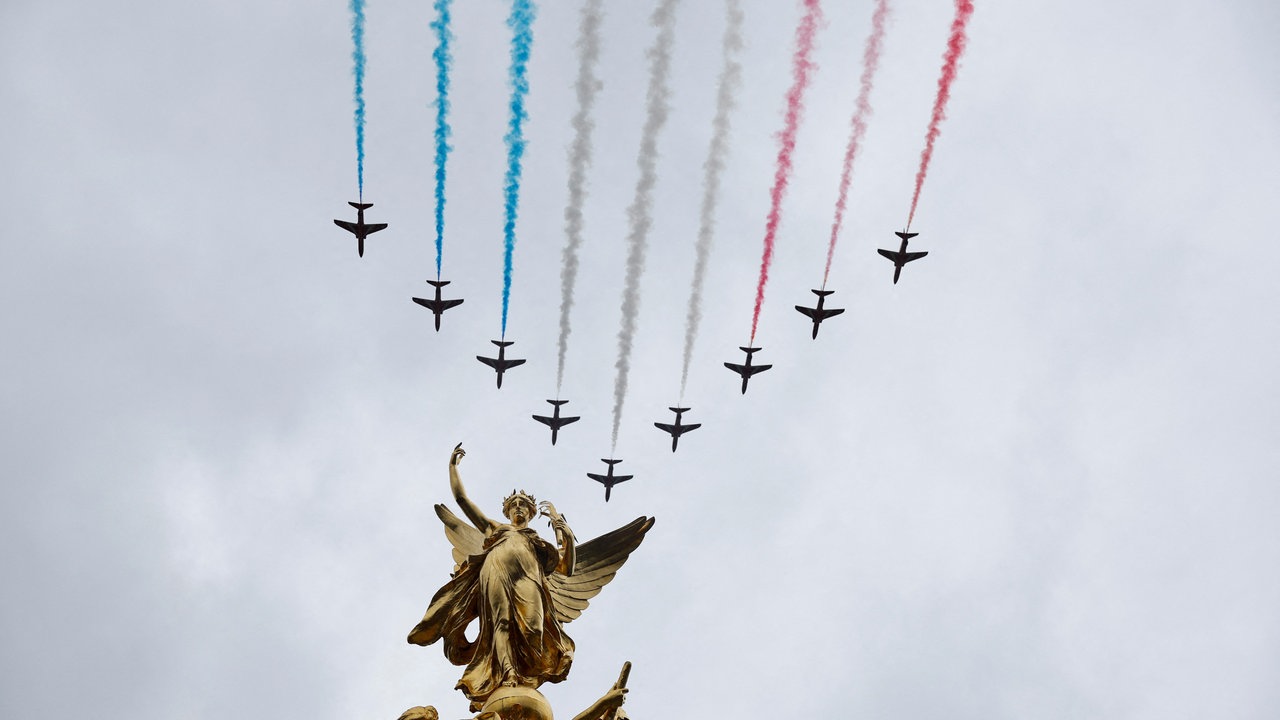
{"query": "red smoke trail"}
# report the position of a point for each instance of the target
(870, 61)
(801, 69)
(950, 63)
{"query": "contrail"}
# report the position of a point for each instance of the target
(639, 213)
(801, 70)
(730, 78)
(357, 57)
(444, 60)
(862, 110)
(950, 64)
(521, 23)
(585, 88)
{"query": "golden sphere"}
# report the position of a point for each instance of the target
(517, 703)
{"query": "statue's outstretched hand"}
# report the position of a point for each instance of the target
(556, 520)
(457, 455)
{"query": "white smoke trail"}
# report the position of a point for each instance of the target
(585, 88)
(639, 214)
(726, 98)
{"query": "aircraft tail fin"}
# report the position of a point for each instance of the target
(557, 403)
(503, 343)
(749, 350)
(822, 293)
(360, 206)
(678, 410)
(437, 283)
(905, 235)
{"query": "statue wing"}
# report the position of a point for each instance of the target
(597, 562)
(466, 540)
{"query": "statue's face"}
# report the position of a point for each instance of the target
(520, 513)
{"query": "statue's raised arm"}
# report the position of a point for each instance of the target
(477, 518)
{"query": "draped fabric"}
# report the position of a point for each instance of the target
(520, 639)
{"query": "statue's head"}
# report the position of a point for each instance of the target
(420, 713)
(520, 507)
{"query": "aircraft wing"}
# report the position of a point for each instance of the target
(349, 227)
(831, 312)
(491, 362)
(757, 368)
(891, 254)
(553, 422)
(810, 312)
(694, 426)
(374, 227)
(908, 257)
(434, 306)
(508, 363)
(667, 428)
(740, 369)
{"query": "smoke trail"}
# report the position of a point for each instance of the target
(444, 60)
(801, 69)
(521, 23)
(585, 88)
(639, 213)
(730, 78)
(862, 110)
(357, 57)
(950, 63)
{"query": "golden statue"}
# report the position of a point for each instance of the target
(522, 589)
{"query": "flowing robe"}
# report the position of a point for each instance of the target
(520, 639)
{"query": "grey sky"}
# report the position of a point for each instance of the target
(1037, 478)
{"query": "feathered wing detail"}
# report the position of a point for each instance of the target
(466, 540)
(597, 562)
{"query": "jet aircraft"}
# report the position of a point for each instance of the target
(818, 314)
(359, 228)
(555, 422)
(437, 305)
(747, 370)
(609, 479)
(501, 363)
(676, 429)
(902, 257)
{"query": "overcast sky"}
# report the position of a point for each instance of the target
(1038, 478)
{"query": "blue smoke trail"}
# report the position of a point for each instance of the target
(357, 56)
(443, 62)
(521, 24)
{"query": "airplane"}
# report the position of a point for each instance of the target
(676, 429)
(609, 479)
(359, 228)
(501, 363)
(817, 314)
(747, 370)
(437, 305)
(555, 422)
(902, 257)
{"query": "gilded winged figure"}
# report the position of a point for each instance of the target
(522, 588)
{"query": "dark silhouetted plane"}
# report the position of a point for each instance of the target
(501, 363)
(609, 479)
(818, 314)
(676, 429)
(359, 228)
(555, 422)
(902, 257)
(747, 370)
(437, 305)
